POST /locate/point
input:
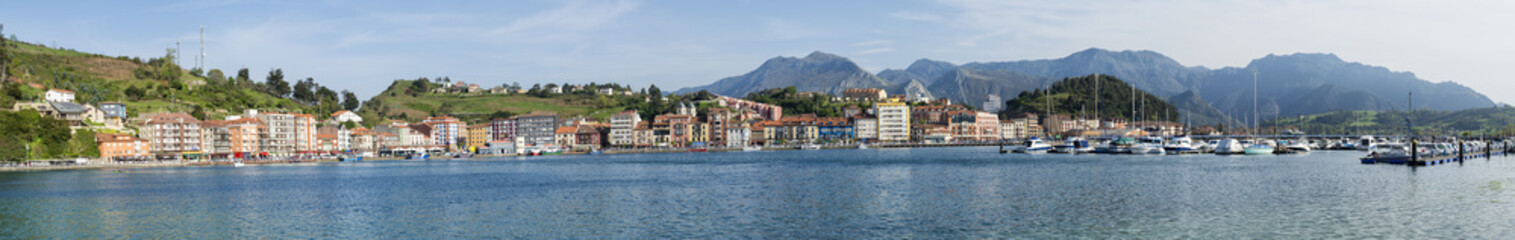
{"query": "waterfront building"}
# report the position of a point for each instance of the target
(623, 128)
(1008, 129)
(677, 128)
(478, 136)
(930, 133)
(232, 138)
(973, 126)
(719, 119)
(445, 130)
(503, 129)
(1026, 125)
(537, 128)
(305, 132)
(172, 134)
(865, 127)
(834, 129)
(587, 138)
(933, 114)
(281, 131)
(893, 121)
(341, 137)
(643, 135)
(118, 147)
(737, 134)
(699, 133)
(565, 136)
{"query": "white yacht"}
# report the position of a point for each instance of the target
(1366, 143)
(1148, 145)
(1073, 145)
(1262, 147)
(1180, 145)
(1033, 145)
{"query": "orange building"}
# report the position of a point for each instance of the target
(122, 146)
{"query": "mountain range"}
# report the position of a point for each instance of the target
(1286, 85)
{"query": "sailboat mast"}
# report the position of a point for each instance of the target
(1255, 118)
(1097, 121)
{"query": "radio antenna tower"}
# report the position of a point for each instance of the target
(200, 62)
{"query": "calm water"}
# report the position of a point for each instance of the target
(882, 193)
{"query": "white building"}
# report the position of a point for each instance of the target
(58, 95)
(623, 128)
(865, 128)
(346, 116)
(893, 121)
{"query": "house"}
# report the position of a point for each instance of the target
(346, 116)
(587, 138)
(605, 91)
(114, 114)
(864, 94)
(498, 90)
(565, 136)
(58, 95)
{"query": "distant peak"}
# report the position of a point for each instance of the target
(822, 56)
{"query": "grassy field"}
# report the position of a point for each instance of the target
(396, 104)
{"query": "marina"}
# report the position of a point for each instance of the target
(829, 193)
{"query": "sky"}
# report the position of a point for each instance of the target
(364, 45)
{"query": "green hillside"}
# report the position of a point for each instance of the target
(1075, 96)
(414, 100)
(151, 85)
(1478, 121)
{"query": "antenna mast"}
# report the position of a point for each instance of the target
(200, 63)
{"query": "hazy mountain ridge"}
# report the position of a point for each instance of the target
(1294, 84)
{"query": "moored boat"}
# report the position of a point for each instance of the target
(1032, 146)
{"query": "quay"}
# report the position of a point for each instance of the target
(1459, 156)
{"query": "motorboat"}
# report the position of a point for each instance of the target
(1301, 146)
(1033, 145)
(752, 148)
(1148, 145)
(1388, 153)
(238, 164)
(1073, 145)
(1180, 145)
(1366, 142)
(862, 146)
(810, 146)
(1121, 145)
(1229, 146)
(1263, 147)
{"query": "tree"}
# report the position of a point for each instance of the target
(276, 84)
(215, 77)
(243, 78)
(304, 91)
(5, 56)
(350, 101)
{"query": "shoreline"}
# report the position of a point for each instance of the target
(155, 164)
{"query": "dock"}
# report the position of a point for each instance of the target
(1442, 159)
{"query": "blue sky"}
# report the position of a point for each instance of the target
(363, 45)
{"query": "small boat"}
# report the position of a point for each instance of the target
(810, 146)
(1117, 146)
(1365, 143)
(1229, 146)
(419, 156)
(1032, 146)
(752, 148)
(1073, 145)
(862, 146)
(1388, 153)
(1260, 148)
(350, 158)
(699, 150)
(1298, 146)
(238, 164)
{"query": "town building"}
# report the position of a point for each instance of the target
(623, 128)
(893, 121)
(478, 136)
(537, 128)
(346, 116)
(281, 131)
(864, 94)
(445, 130)
(974, 126)
(502, 129)
(172, 134)
(865, 127)
(120, 147)
(305, 132)
(114, 114)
